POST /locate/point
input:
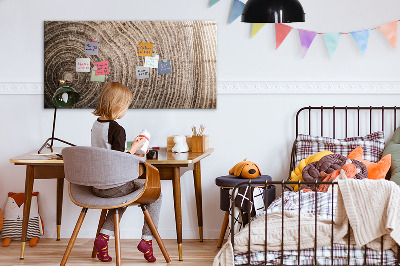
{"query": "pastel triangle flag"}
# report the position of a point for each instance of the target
(332, 41)
(255, 28)
(306, 39)
(361, 37)
(237, 9)
(213, 2)
(389, 30)
(281, 31)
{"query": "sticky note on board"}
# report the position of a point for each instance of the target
(142, 72)
(102, 68)
(164, 67)
(99, 78)
(91, 48)
(83, 65)
(151, 62)
(145, 48)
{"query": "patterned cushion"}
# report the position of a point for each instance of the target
(372, 144)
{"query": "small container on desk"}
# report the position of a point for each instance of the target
(200, 143)
(171, 143)
(152, 154)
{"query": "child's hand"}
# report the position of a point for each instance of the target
(143, 155)
(137, 144)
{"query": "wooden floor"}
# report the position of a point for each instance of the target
(50, 252)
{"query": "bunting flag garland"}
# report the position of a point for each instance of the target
(361, 37)
(389, 30)
(256, 28)
(281, 31)
(213, 2)
(306, 39)
(332, 41)
(237, 9)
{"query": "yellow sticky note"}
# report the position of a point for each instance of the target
(145, 48)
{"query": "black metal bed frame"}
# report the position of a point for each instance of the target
(283, 184)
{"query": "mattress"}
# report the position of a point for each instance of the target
(322, 204)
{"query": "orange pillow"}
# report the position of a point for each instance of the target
(375, 170)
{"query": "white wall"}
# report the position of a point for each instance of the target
(259, 127)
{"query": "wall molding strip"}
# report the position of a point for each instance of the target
(260, 87)
(21, 88)
(309, 87)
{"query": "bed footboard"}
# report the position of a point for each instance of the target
(310, 254)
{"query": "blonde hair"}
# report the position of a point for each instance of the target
(113, 98)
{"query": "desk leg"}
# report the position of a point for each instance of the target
(176, 182)
(60, 190)
(199, 204)
(27, 206)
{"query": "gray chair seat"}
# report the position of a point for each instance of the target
(83, 196)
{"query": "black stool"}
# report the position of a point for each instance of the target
(226, 183)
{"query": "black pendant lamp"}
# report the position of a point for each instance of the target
(273, 11)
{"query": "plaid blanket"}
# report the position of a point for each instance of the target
(324, 257)
(322, 204)
(307, 202)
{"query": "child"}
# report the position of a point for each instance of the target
(114, 101)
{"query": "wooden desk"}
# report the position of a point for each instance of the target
(169, 165)
(40, 167)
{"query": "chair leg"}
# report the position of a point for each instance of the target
(73, 237)
(223, 229)
(117, 239)
(101, 222)
(154, 230)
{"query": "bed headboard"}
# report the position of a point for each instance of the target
(344, 121)
(377, 115)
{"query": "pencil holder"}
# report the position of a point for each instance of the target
(200, 143)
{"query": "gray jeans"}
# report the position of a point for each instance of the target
(154, 208)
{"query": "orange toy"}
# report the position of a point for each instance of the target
(375, 170)
(12, 222)
(245, 169)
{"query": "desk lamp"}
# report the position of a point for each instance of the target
(273, 11)
(64, 96)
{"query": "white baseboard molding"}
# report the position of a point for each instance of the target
(259, 87)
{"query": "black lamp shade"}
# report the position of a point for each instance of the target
(273, 11)
(65, 96)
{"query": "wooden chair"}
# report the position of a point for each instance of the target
(85, 167)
